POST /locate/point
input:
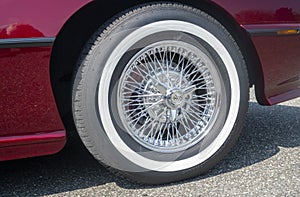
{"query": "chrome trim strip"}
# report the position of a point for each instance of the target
(271, 32)
(26, 42)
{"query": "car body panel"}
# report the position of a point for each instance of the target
(281, 68)
(278, 54)
(30, 124)
(27, 104)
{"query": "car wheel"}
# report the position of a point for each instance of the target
(161, 93)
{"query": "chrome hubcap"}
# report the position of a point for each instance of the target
(175, 99)
(167, 97)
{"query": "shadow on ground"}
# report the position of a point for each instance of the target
(266, 129)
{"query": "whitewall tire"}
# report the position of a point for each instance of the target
(161, 93)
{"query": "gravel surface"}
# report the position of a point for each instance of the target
(265, 162)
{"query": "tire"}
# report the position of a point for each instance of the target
(161, 93)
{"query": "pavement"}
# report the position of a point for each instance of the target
(265, 162)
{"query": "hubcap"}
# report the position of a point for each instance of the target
(167, 97)
(175, 98)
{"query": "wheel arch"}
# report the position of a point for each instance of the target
(77, 31)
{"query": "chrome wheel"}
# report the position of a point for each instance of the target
(168, 96)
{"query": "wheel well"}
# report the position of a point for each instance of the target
(81, 26)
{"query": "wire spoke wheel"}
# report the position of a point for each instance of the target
(167, 96)
(161, 93)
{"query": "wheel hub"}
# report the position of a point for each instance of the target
(175, 99)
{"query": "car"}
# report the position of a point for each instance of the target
(158, 91)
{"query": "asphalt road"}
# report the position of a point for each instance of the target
(265, 162)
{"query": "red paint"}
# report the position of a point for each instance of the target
(32, 139)
(27, 104)
(15, 30)
(16, 147)
(262, 12)
(46, 17)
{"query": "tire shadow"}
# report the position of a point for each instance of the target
(266, 129)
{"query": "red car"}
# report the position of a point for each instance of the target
(158, 91)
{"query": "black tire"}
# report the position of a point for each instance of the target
(210, 56)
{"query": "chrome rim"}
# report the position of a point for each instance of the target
(168, 96)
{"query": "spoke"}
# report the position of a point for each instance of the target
(154, 121)
(133, 79)
(191, 71)
(161, 134)
(150, 133)
(132, 112)
(143, 95)
(165, 62)
(133, 103)
(186, 128)
(204, 96)
(170, 65)
(180, 62)
(144, 110)
(168, 133)
(189, 90)
(147, 74)
(157, 132)
(158, 62)
(156, 81)
(152, 68)
(127, 88)
(201, 100)
(200, 105)
(142, 129)
(173, 133)
(190, 114)
(173, 115)
(138, 104)
(201, 79)
(201, 117)
(135, 87)
(178, 134)
(188, 66)
(136, 120)
(198, 111)
(181, 75)
(204, 86)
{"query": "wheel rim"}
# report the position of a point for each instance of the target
(104, 89)
(168, 95)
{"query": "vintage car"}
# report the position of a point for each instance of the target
(158, 91)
